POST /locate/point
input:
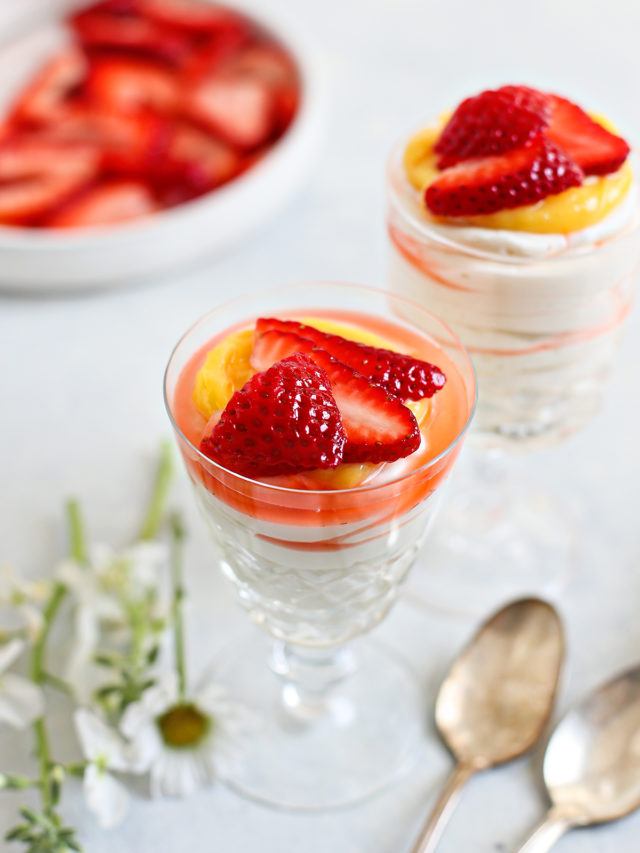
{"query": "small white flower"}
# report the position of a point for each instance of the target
(187, 744)
(103, 589)
(104, 750)
(23, 597)
(21, 701)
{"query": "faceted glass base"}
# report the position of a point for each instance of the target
(341, 746)
(499, 536)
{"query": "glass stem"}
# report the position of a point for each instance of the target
(310, 677)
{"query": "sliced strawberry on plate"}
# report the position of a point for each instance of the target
(379, 427)
(595, 149)
(268, 62)
(43, 100)
(487, 184)
(105, 204)
(128, 83)
(239, 109)
(401, 375)
(194, 16)
(100, 30)
(493, 122)
(37, 176)
(284, 420)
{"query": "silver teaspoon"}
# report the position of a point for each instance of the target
(496, 699)
(592, 762)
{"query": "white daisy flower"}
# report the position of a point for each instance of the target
(21, 701)
(185, 744)
(104, 750)
(24, 597)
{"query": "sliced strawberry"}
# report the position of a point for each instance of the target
(493, 122)
(127, 83)
(401, 375)
(101, 30)
(36, 177)
(379, 427)
(105, 204)
(268, 62)
(284, 420)
(194, 16)
(42, 101)
(596, 150)
(487, 184)
(214, 51)
(241, 110)
(195, 163)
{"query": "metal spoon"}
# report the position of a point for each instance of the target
(494, 704)
(592, 763)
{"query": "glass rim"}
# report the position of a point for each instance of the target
(427, 229)
(202, 458)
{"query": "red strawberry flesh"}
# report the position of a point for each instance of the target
(283, 421)
(379, 427)
(493, 122)
(595, 149)
(401, 375)
(488, 184)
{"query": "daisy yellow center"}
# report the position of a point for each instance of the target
(183, 726)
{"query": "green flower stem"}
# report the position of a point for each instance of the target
(77, 543)
(164, 475)
(177, 539)
(17, 783)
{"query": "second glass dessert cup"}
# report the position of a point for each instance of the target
(317, 569)
(542, 323)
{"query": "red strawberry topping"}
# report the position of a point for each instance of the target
(595, 149)
(105, 204)
(493, 122)
(379, 427)
(400, 375)
(283, 421)
(487, 184)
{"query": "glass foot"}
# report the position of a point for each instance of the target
(499, 536)
(333, 748)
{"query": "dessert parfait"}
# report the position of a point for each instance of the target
(316, 442)
(317, 425)
(515, 219)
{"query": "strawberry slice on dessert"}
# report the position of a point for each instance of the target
(595, 149)
(194, 16)
(379, 427)
(282, 421)
(493, 122)
(487, 184)
(401, 375)
(105, 204)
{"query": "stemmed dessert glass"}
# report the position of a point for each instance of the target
(543, 333)
(317, 569)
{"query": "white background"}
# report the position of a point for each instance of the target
(81, 409)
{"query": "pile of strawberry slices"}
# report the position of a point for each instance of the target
(514, 146)
(152, 104)
(319, 400)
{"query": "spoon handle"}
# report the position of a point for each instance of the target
(443, 809)
(551, 829)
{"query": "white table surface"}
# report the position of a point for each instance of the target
(82, 413)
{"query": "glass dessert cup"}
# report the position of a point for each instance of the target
(543, 331)
(318, 569)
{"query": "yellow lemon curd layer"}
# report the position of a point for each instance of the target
(572, 210)
(227, 368)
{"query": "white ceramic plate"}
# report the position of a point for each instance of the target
(117, 255)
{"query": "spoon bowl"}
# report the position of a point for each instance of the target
(499, 693)
(592, 763)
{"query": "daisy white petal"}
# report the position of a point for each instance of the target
(10, 653)
(99, 742)
(21, 701)
(106, 798)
